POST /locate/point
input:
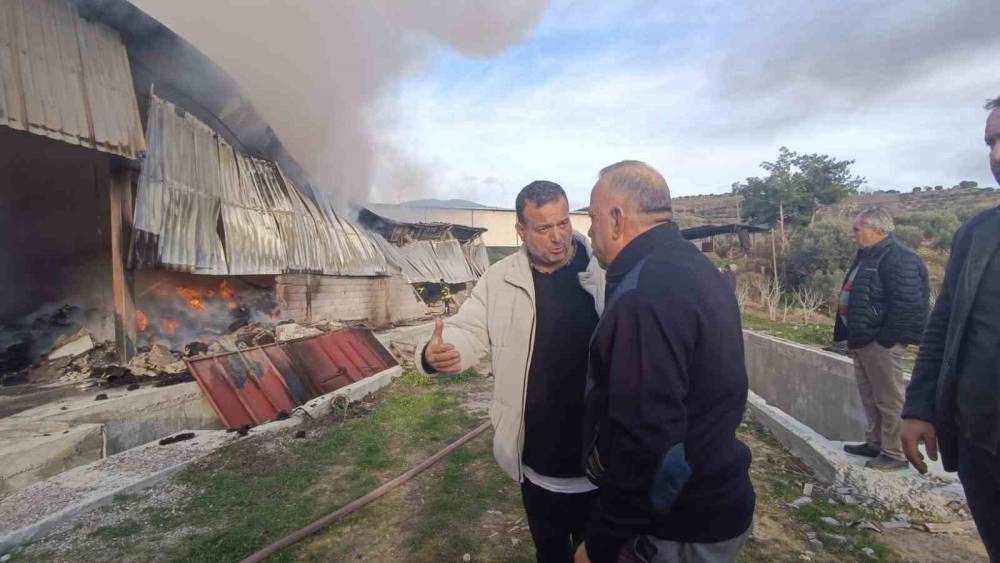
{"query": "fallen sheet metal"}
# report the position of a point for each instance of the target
(252, 386)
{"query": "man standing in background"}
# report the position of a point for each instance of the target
(883, 308)
(533, 313)
(953, 401)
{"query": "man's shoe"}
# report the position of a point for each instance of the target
(886, 463)
(862, 449)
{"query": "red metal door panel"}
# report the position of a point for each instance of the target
(251, 386)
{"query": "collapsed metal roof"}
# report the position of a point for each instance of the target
(66, 78)
(430, 252)
(705, 231)
(192, 180)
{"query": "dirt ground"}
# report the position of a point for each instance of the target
(258, 490)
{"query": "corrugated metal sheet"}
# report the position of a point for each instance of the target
(251, 386)
(477, 257)
(431, 261)
(66, 78)
(180, 191)
(191, 177)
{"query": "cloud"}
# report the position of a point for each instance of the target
(708, 92)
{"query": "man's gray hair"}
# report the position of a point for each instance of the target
(878, 219)
(642, 183)
(993, 104)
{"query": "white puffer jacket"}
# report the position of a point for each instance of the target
(499, 319)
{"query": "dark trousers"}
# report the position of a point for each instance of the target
(980, 475)
(557, 521)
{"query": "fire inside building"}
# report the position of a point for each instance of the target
(168, 265)
(147, 202)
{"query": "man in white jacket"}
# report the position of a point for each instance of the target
(534, 313)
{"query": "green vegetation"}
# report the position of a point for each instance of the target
(795, 187)
(803, 333)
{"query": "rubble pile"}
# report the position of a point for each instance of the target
(81, 359)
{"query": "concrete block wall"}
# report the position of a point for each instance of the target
(310, 298)
(814, 386)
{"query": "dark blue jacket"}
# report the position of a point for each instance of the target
(667, 387)
(889, 298)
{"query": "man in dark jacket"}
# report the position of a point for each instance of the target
(953, 401)
(666, 387)
(883, 308)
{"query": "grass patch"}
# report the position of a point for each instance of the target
(803, 333)
(123, 530)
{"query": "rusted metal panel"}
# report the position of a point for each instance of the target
(66, 78)
(252, 386)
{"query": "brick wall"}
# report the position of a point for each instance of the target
(309, 298)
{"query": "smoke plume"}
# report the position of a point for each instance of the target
(324, 73)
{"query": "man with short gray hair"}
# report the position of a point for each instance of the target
(883, 308)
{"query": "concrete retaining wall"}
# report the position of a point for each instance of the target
(816, 387)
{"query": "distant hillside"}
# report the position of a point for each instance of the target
(721, 208)
(444, 203)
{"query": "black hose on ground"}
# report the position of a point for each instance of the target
(297, 536)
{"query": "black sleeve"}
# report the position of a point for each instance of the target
(646, 354)
(906, 305)
(921, 393)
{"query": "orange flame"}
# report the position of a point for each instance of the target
(192, 296)
(141, 321)
(225, 291)
(170, 325)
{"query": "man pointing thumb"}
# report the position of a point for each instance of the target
(440, 356)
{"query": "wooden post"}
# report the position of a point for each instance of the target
(122, 280)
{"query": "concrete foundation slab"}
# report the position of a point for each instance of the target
(35, 451)
(30, 513)
(932, 495)
(133, 418)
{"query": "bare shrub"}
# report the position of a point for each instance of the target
(769, 291)
(809, 300)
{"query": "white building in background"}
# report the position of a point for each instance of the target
(498, 222)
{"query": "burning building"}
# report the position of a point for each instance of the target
(146, 201)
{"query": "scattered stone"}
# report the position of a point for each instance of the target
(831, 501)
(80, 343)
(805, 557)
(865, 525)
(846, 490)
(830, 521)
(467, 557)
(807, 489)
(101, 397)
(959, 528)
(849, 500)
(835, 537)
(816, 543)
(514, 541)
(5, 558)
(894, 525)
(869, 553)
(133, 387)
(300, 434)
(293, 331)
(800, 502)
(177, 438)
